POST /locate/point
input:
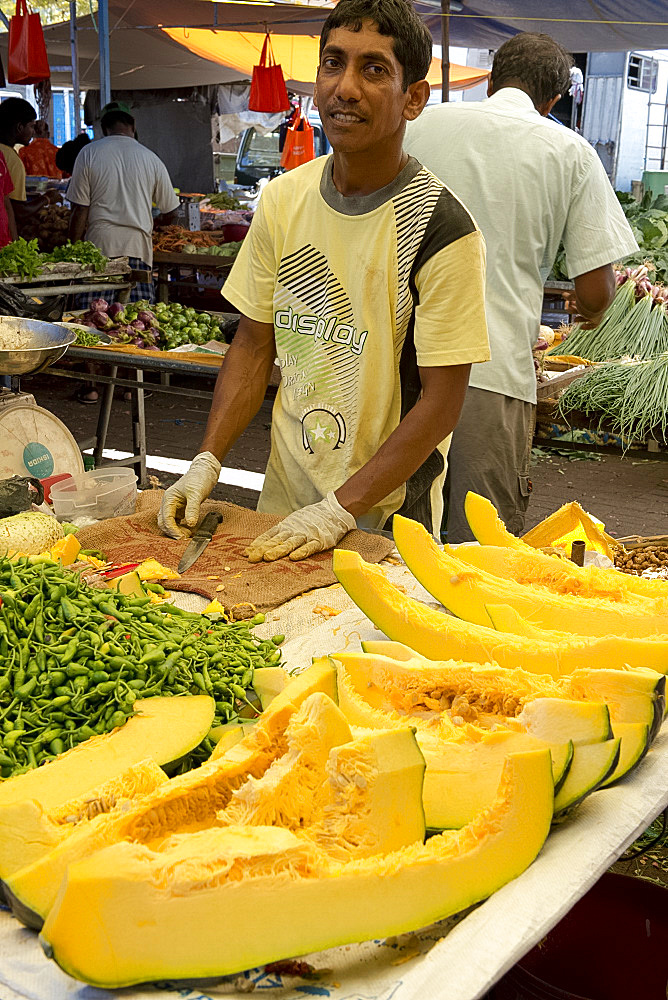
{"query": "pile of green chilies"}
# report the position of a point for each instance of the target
(74, 659)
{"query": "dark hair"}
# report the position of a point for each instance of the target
(16, 111)
(537, 62)
(68, 152)
(397, 18)
(116, 117)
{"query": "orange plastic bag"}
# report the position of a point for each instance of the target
(27, 61)
(267, 92)
(298, 146)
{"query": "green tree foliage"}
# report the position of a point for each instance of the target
(51, 11)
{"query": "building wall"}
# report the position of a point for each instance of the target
(180, 133)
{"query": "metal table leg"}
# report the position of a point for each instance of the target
(139, 432)
(103, 417)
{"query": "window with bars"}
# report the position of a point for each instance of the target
(642, 74)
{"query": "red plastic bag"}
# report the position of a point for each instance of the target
(27, 61)
(298, 146)
(267, 92)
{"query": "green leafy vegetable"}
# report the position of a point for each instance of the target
(82, 252)
(21, 258)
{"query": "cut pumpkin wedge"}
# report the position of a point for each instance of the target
(162, 730)
(635, 741)
(590, 768)
(609, 651)
(116, 909)
(465, 590)
(489, 530)
(439, 636)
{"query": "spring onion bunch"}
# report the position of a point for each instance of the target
(635, 325)
(630, 396)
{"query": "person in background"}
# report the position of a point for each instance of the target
(530, 184)
(17, 125)
(39, 156)
(7, 221)
(67, 154)
(115, 182)
(351, 276)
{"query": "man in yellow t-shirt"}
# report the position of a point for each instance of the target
(364, 275)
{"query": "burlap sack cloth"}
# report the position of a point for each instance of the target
(263, 585)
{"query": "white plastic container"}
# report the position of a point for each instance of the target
(96, 495)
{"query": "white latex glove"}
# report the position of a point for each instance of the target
(312, 529)
(187, 494)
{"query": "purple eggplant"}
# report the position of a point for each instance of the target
(100, 304)
(137, 324)
(115, 311)
(147, 318)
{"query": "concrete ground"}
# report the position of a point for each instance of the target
(629, 495)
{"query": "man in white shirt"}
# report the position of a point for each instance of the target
(115, 183)
(529, 183)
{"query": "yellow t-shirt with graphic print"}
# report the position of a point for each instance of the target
(358, 290)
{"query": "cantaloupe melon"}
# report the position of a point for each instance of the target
(134, 913)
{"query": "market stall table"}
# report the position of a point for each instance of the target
(460, 958)
(164, 262)
(161, 363)
(69, 278)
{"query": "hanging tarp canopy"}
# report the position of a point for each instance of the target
(143, 56)
(172, 43)
(297, 55)
(579, 25)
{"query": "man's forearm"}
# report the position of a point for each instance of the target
(78, 223)
(429, 422)
(240, 387)
(165, 219)
(11, 219)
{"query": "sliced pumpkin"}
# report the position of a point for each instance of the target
(306, 786)
(530, 567)
(465, 590)
(116, 909)
(188, 801)
(439, 636)
(66, 549)
(268, 682)
(635, 741)
(568, 524)
(632, 695)
(162, 730)
(28, 832)
(463, 760)
(614, 652)
(489, 530)
(592, 765)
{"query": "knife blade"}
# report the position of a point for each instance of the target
(202, 535)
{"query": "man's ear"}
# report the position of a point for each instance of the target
(417, 96)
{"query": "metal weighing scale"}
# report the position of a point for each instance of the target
(33, 442)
